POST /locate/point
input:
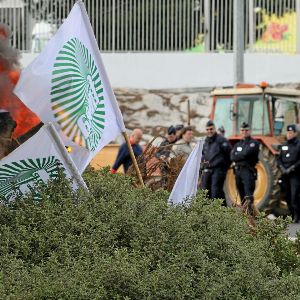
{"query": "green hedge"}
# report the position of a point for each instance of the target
(119, 242)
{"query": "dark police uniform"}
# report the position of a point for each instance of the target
(214, 165)
(245, 156)
(289, 164)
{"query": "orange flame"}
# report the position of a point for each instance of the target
(9, 76)
(24, 117)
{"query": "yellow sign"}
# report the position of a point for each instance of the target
(279, 34)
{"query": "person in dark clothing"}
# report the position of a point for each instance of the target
(179, 129)
(164, 152)
(289, 164)
(164, 149)
(215, 162)
(123, 157)
(245, 157)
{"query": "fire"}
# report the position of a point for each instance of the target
(4, 33)
(9, 76)
(24, 117)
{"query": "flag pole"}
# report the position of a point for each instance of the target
(109, 90)
(100, 63)
(132, 156)
(188, 113)
(66, 156)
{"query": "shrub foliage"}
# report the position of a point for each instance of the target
(120, 242)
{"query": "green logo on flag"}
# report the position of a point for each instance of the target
(18, 178)
(77, 95)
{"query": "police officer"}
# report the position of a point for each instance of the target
(289, 164)
(245, 156)
(215, 162)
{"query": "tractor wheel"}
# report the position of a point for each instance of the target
(267, 191)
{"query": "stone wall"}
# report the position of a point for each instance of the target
(156, 110)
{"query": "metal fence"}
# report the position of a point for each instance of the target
(158, 25)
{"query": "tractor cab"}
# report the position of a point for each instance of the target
(285, 108)
(268, 111)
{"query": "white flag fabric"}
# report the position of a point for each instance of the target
(187, 181)
(67, 85)
(36, 161)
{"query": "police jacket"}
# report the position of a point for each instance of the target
(245, 152)
(123, 157)
(290, 154)
(216, 152)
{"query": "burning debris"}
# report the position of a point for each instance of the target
(15, 118)
(7, 126)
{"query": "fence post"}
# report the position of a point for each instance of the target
(207, 25)
(251, 25)
(298, 26)
(113, 27)
(238, 42)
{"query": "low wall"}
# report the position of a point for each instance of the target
(155, 110)
(192, 70)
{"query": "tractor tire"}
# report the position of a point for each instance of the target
(267, 195)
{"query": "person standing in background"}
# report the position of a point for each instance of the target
(164, 151)
(183, 146)
(123, 157)
(215, 162)
(178, 129)
(289, 164)
(244, 156)
(164, 148)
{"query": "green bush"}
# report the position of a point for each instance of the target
(119, 242)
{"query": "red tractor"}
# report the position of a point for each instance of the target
(268, 111)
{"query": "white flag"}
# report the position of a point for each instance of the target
(36, 161)
(67, 85)
(187, 181)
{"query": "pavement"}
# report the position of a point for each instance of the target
(292, 229)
